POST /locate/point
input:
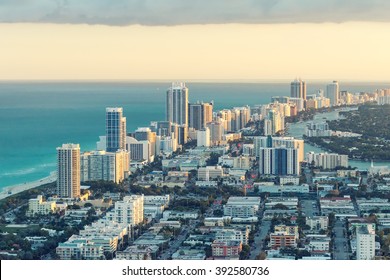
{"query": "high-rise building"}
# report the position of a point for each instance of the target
(164, 128)
(216, 132)
(298, 89)
(332, 92)
(203, 137)
(226, 115)
(279, 142)
(200, 114)
(145, 134)
(68, 171)
(182, 135)
(106, 166)
(139, 150)
(115, 130)
(273, 123)
(278, 161)
(177, 104)
(365, 243)
(327, 161)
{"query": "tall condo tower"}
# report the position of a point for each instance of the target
(298, 89)
(177, 104)
(333, 93)
(68, 171)
(200, 114)
(115, 130)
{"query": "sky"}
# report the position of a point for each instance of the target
(194, 40)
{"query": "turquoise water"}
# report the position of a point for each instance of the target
(37, 117)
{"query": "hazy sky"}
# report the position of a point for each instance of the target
(176, 39)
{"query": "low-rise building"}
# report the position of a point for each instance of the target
(318, 245)
(36, 206)
(227, 234)
(242, 207)
(189, 254)
(284, 236)
(138, 252)
(210, 173)
(226, 249)
(293, 180)
(79, 250)
(174, 215)
(318, 222)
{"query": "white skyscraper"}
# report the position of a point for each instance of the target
(68, 171)
(332, 92)
(177, 104)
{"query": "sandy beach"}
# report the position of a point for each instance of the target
(11, 190)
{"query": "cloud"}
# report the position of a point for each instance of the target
(180, 12)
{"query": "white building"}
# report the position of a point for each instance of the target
(137, 252)
(102, 165)
(228, 234)
(68, 171)
(365, 246)
(318, 245)
(320, 129)
(241, 207)
(327, 161)
(203, 137)
(129, 211)
(318, 222)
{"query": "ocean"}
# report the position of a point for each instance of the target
(37, 117)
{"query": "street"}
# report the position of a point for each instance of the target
(340, 247)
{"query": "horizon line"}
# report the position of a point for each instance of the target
(211, 80)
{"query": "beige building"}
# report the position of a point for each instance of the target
(36, 206)
(210, 173)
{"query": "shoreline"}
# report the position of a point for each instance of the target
(15, 189)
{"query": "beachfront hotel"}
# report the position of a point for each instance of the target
(115, 130)
(68, 170)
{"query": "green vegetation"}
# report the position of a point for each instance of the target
(369, 120)
(365, 148)
(372, 122)
(21, 198)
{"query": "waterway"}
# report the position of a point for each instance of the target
(298, 129)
